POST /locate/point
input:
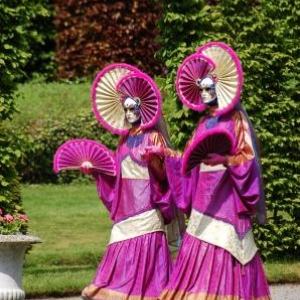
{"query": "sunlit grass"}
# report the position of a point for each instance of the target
(38, 100)
(74, 227)
(41, 281)
(283, 271)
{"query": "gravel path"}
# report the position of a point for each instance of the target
(285, 292)
(278, 292)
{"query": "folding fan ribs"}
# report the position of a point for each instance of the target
(74, 154)
(217, 141)
(140, 86)
(228, 71)
(189, 75)
(106, 102)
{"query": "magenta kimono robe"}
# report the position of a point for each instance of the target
(137, 262)
(218, 257)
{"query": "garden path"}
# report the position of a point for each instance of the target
(278, 292)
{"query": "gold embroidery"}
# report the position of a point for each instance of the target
(181, 295)
(95, 293)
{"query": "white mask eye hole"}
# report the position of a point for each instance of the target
(206, 89)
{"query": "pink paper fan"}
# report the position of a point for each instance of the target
(193, 69)
(73, 154)
(217, 141)
(106, 102)
(141, 86)
(228, 72)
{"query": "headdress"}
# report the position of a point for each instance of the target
(113, 85)
(219, 62)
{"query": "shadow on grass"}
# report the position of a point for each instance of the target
(42, 269)
(41, 281)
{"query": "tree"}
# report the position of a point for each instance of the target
(14, 54)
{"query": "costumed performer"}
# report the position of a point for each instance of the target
(137, 261)
(222, 191)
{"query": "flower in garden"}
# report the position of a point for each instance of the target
(23, 218)
(12, 223)
(8, 218)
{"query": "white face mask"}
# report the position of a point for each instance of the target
(132, 111)
(207, 90)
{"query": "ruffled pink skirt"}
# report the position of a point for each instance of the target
(134, 269)
(204, 271)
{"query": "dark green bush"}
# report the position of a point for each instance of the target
(40, 34)
(14, 54)
(39, 144)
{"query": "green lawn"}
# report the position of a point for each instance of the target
(37, 100)
(75, 228)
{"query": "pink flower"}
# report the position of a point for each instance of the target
(8, 218)
(23, 218)
(1, 212)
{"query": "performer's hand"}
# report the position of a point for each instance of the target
(151, 151)
(213, 159)
(86, 167)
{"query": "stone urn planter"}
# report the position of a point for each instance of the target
(12, 251)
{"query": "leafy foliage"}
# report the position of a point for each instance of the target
(10, 196)
(92, 34)
(14, 53)
(265, 36)
(39, 144)
(40, 34)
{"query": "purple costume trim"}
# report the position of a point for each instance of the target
(138, 268)
(229, 195)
